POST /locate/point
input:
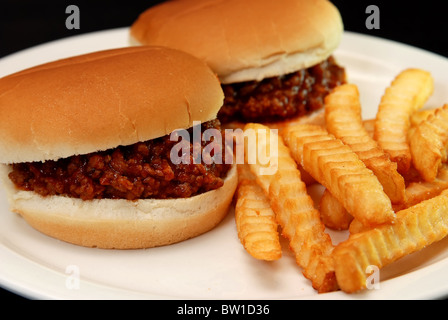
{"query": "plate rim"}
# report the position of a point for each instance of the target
(96, 289)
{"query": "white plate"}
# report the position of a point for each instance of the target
(214, 265)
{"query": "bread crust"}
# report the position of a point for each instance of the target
(102, 100)
(120, 223)
(245, 40)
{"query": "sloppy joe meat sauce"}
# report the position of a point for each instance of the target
(282, 97)
(139, 171)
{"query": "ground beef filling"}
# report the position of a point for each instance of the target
(282, 97)
(140, 171)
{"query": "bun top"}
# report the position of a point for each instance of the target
(102, 100)
(244, 40)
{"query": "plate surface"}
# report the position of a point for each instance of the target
(214, 265)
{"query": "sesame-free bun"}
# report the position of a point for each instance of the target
(120, 223)
(243, 40)
(102, 100)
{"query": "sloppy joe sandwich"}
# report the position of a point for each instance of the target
(87, 148)
(273, 58)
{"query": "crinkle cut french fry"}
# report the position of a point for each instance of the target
(369, 125)
(255, 221)
(412, 230)
(295, 212)
(418, 191)
(333, 213)
(429, 142)
(261, 152)
(357, 227)
(344, 121)
(305, 133)
(339, 169)
(420, 116)
(407, 93)
(302, 226)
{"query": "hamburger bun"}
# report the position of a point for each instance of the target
(102, 100)
(119, 223)
(245, 40)
(99, 101)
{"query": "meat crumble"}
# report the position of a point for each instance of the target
(139, 171)
(282, 97)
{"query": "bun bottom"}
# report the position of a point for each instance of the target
(119, 223)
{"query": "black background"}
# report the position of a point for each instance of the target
(26, 23)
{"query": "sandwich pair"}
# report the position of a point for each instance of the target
(87, 141)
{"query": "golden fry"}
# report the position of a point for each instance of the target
(294, 209)
(397, 162)
(420, 116)
(416, 192)
(412, 230)
(429, 142)
(369, 126)
(407, 93)
(339, 169)
(357, 227)
(305, 133)
(302, 226)
(344, 121)
(419, 191)
(333, 213)
(255, 220)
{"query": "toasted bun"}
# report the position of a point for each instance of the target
(122, 224)
(101, 100)
(245, 40)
